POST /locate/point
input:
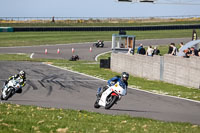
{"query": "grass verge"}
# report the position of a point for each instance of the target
(43, 38)
(21, 119)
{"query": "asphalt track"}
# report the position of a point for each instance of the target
(48, 86)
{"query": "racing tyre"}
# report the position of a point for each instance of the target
(2, 97)
(96, 105)
(8, 94)
(111, 101)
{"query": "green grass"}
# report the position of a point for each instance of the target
(22, 119)
(124, 23)
(8, 39)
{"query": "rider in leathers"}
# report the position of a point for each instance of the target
(21, 77)
(122, 81)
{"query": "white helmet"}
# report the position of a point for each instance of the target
(22, 73)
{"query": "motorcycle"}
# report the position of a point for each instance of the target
(9, 89)
(99, 44)
(110, 97)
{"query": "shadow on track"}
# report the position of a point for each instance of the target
(131, 110)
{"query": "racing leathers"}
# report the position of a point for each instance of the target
(113, 81)
(22, 81)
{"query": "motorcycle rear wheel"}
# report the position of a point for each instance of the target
(112, 101)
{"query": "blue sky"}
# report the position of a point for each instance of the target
(91, 8)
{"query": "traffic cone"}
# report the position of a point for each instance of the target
(58, 51)
(45, 51)
(90, 49)
(72, 50)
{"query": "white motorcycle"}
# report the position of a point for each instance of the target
(9, 89)
(111, 96)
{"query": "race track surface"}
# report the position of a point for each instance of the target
(52, 87)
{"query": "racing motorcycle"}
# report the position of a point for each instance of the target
(99, 44)
(110, 97)
(9, 89)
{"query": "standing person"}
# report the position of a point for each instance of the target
(149, 51)
(170, 48)
(194, 52)
(174, 51)
(142, 51)
(199, 53)
(181, 45)
(130, 50)
(156, 51)
(53, 20)
(139, 48)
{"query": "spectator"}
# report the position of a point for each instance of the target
(142, 51)
(187, 53)
(122, 45)
(139, 48)
(170, 49)
(174, 51)
(181, 45)
(149, 51)
(199, 53)
(130, 50)
(156, 51)
(194, 52)
(53, 20)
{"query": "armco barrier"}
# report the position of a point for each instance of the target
(168, 68)
(143, 28)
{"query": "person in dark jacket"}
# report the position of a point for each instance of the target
(142, 50)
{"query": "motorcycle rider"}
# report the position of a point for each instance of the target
(21, 77)
(122, 81)
(99, 44)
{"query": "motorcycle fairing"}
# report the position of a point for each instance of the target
(117, 89)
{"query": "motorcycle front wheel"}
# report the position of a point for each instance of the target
(96, 105)
(2, 97)
(8, 94)
(111, 101)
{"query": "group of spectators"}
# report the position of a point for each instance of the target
(173, 50)
(188, 52)
(149, 52)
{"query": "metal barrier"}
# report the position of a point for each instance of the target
(141, 28)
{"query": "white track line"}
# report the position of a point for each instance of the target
(96, 58)
(128, 87)
(32, 56)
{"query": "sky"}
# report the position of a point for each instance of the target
(92, 8)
